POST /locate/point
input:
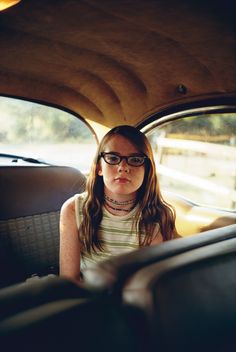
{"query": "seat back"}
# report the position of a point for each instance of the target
(194, 218)
(54, 314)
(111, 274)
(31, 198)
(189, 299)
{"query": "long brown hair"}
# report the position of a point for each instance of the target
(152, 208)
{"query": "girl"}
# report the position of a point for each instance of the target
(122, 208)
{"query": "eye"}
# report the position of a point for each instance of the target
(112, 158)
(136, 160)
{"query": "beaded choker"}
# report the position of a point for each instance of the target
(113, 208)
(116, 202)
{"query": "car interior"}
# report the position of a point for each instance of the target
(147, 64)
(29, 221)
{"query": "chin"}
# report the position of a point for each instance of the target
(123, 191)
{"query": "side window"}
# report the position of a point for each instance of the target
(32, 130)
(196, 157)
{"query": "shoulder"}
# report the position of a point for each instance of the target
(71, 202)
(80, 196)
(79, 200)
(71, 210)
(68, 206)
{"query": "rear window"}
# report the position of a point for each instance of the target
(32, 130)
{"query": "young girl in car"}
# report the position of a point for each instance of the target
(122, 208)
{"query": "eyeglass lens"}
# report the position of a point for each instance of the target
(113, 159)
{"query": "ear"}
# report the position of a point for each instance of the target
(99, 170)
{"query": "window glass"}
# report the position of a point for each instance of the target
(196, 158)
(37, 131)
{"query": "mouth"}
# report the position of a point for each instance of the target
(122, 180)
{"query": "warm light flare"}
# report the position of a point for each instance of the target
(4, 4)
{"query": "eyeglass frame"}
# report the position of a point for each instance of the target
(102, 154)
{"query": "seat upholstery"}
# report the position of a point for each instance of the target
(24, 296)
(57, 315)
(189, 299)
(182, 303)
(31, 198)
(193, 218)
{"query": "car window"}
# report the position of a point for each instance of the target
(196, 157)
(32, 130)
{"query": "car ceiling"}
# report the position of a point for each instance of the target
(115, 62)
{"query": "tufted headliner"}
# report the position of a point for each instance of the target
(117, 61)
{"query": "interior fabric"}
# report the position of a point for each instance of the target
(70, 321)
(125, 59)
(189, 300)
(30, 190)
(111, 275)
(31, 198)
(21, 297)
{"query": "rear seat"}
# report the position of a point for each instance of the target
(29, 245)
(31, 198)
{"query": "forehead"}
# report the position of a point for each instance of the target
(120, 145)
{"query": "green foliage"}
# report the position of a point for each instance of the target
(211, 124)
(23, 121)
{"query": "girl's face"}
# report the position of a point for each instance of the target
(122, 179)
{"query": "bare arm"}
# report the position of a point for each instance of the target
(157, 239)
(69, 242)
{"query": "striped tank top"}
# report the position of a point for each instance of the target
(117, 234)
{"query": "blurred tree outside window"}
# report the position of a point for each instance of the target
(38, 131)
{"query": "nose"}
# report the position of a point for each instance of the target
(123, 166)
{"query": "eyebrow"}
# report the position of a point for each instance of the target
(132, 154)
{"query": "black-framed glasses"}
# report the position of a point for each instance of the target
(132, 160)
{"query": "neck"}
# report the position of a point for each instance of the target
(119, 207)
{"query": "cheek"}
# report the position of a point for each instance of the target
(104, 170)
(140, 177)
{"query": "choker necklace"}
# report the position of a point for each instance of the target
(116, 202)
(126, 210)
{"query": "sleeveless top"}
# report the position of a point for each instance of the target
(117, 234)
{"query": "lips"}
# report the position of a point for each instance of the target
(122, 180)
